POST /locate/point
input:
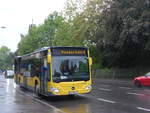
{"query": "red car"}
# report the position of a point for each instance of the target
(142, 80)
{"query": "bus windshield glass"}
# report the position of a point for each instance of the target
(70, 68)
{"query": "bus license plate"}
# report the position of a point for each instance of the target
(73, 93)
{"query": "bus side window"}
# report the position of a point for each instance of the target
(36, 67)
(29, 67)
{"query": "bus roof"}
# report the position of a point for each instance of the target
(54, 47)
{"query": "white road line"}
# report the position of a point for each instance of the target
(100, 99)
(123, 83)
(138, 94)
(42, 102)
(125, 88)
(104, 85)
(104, 100)
(143, 109)
(103, 89)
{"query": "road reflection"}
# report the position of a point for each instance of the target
(81, 108)
(78, 104)
(14, 84)
(145, 96)
(7, 85)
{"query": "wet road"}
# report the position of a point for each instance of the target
(14, 100)
(108, 96)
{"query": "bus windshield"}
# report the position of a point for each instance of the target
(70, 68)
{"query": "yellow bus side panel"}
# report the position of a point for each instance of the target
(32, 80)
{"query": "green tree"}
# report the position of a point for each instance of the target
(79, 26)
(42, 35)
(6, 58)
(122, 34)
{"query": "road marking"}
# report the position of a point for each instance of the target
(104, 85)
(125, 88)
(100, 99)
(143, 109)
(138, 94)
(103, 89)
(41, 102)
(104, 100)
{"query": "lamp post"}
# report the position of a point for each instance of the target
(3, 27)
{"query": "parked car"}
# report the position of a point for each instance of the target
(142, 80)
(9, 74)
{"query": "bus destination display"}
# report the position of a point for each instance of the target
(69, 52)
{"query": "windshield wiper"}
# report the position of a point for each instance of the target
(63, 80)
(71, 79)
(81, 79)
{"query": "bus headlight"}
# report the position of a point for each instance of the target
(88, 87)
(55, 90)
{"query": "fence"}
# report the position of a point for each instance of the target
(120, 73)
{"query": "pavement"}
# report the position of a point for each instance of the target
(107, 96)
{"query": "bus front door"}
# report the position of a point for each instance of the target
(43, 77)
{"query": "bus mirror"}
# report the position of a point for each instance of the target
(49, 59)
(90, 60)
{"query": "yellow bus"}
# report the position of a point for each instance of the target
(55, 71)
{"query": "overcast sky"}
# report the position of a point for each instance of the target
(16, 15)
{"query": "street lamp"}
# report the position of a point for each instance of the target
(3, 27)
